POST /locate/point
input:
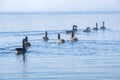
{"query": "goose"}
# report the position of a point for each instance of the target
(21, 50)
(27, 44)
(87, 30)
(74, 28)
(103, 27)
(59, 41)
(72, 39)
(96, 28)
(45, 38)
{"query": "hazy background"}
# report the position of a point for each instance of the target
(58, 5)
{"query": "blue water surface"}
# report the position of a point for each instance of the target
(95, 56)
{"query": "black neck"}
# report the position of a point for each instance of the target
(26, 38)
(58, 36)
(96, 24)
(73, 27)
(88, 28)
(46, 34)
(72, 34)
(23, 43)
(103, 23)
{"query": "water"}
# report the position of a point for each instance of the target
(95, 56)
(56, 21)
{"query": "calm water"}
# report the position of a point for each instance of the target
(96, 56)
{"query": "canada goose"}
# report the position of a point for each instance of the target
(60, 40)
(27, 44)
(21, 50)
(87, 30)
(72, 39)
(45, 38)
(103, 27)
(74, 29)
(96, 28)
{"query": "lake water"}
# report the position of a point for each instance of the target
(95, 56)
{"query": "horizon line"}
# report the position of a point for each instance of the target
(57, 12)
